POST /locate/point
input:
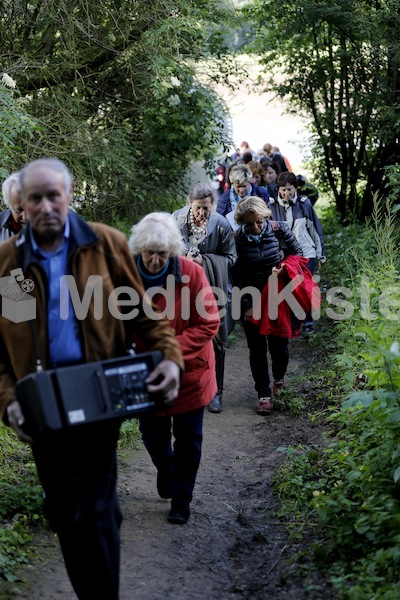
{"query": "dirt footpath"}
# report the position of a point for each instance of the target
(233, 547)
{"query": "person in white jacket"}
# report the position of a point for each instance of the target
(301, 218)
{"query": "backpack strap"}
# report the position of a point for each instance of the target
(275, 225)
(279, 234)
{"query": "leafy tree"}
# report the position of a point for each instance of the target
(338, 63)
(14, 122)
(112, 85)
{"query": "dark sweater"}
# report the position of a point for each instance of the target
(257, 258)
(224, 201)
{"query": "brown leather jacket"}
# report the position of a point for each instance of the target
(96, 249)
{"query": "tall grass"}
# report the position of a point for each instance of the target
(21, 503)
(349, 489)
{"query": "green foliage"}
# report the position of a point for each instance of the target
(15, 499)
(348, 490)
(129, 435)
(393, 176)
(14, 123)
(290, 402)
(337, 64)
(21, 503)
(194, 118)
(13, 539)
(113, 88)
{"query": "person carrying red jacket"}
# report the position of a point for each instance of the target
(285, 321)
(261, 245)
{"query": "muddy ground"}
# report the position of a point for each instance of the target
(234, 546)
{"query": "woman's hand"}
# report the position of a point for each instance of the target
(278, 270)
(195, 256)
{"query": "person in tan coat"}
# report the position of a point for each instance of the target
(76, 466)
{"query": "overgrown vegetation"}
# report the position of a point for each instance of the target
(348, 492)
(129, 436)
(21, 503)
(112, 88)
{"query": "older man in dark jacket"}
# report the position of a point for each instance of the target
(77, 466)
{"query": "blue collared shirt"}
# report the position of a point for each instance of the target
(65, 345)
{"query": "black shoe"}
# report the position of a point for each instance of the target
(179, 513)
(215, 405)
(164, 484)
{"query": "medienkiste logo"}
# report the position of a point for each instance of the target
(17, 305)
(125, 303)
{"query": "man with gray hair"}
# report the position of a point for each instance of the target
(13, 219)
(77, 466)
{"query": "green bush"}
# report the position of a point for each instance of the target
(349, 489)
(129, 435)
(21, 503)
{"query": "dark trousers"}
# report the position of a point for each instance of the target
(180, 459)
(258, 346)
(78, 471)
(219, 352)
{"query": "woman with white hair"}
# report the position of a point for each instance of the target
(209, 242)
(156, 244)
(242, 186)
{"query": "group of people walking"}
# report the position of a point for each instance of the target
(252, 247)
(202, 253)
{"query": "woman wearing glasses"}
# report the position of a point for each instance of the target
(261, 246)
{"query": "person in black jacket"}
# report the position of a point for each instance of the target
(259, 252)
